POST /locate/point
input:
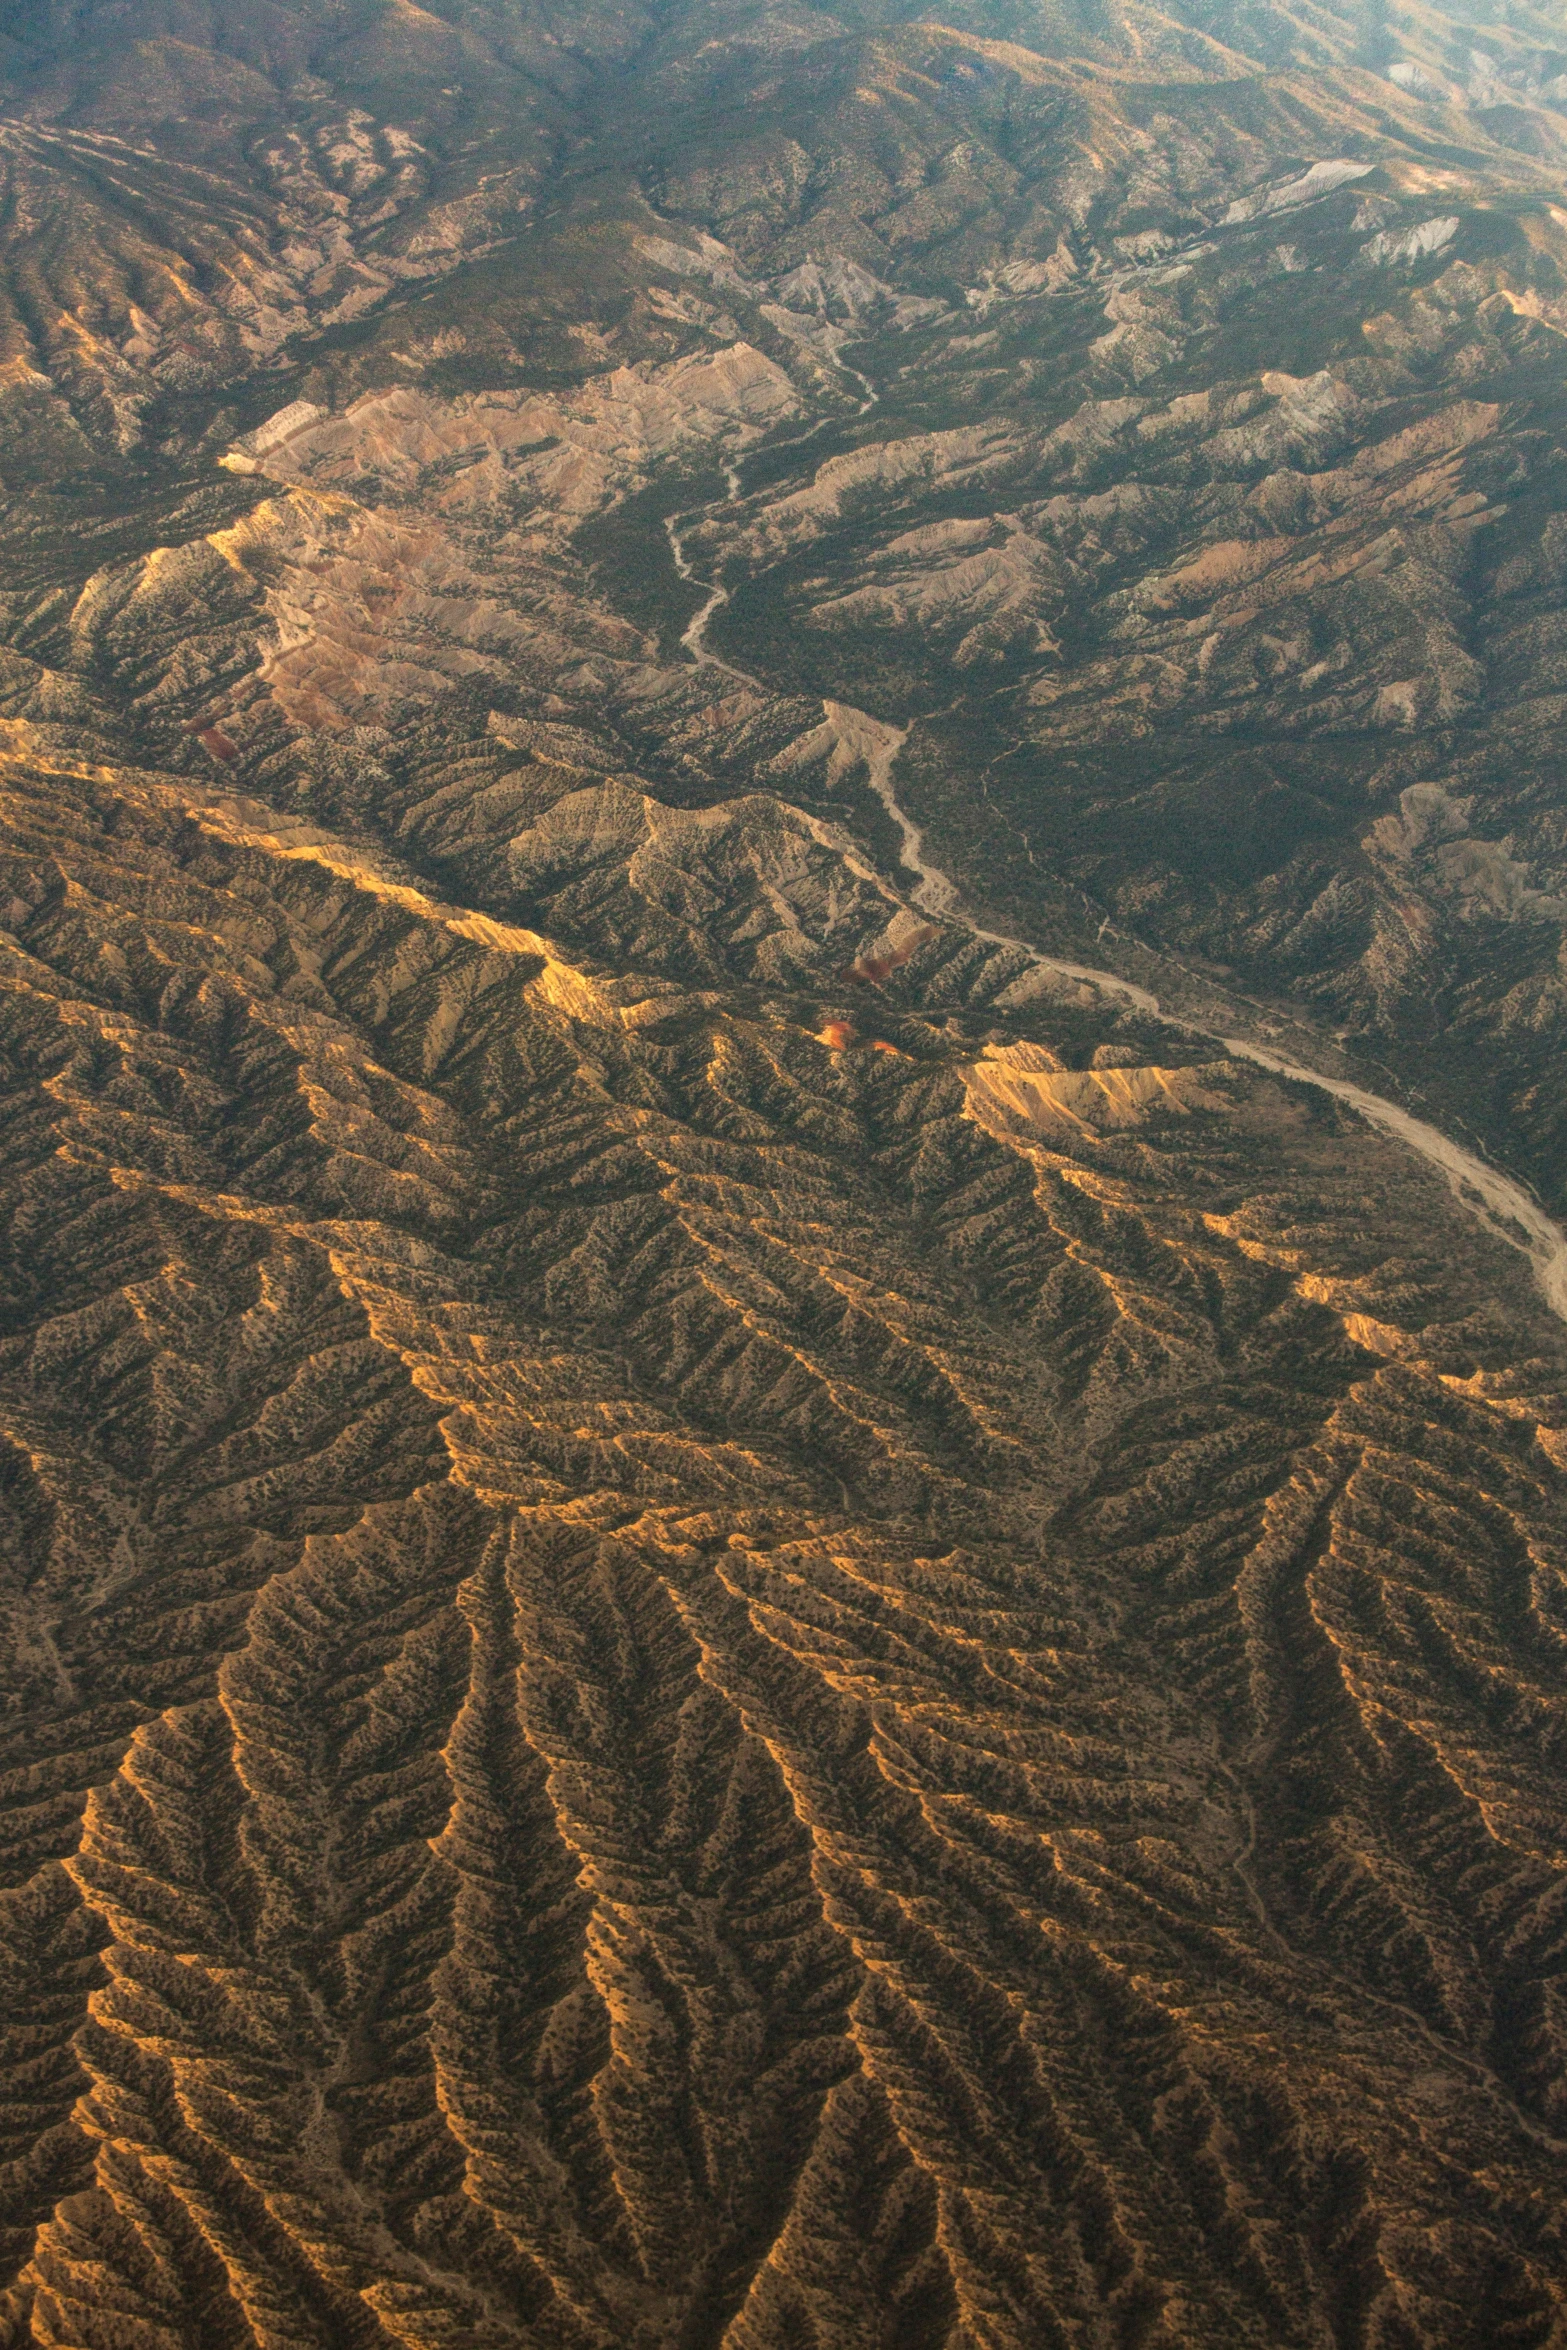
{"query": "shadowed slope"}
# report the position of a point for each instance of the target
(734, 1617)
(653, 1703)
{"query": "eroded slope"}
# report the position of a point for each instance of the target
(681, 1682)
(733, 1616)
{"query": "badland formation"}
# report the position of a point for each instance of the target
(783, 1340)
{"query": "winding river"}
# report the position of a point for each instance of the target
(1506, 1208)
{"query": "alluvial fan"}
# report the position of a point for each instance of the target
(783, 1388)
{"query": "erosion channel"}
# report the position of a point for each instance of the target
(1505, 1206)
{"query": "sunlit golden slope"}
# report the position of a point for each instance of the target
(734, 1619)
(679, 1686)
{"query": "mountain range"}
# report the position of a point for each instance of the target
(783, 1401)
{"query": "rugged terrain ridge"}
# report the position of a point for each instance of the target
(753, 1598)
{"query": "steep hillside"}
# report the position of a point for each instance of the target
(783, 1399)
